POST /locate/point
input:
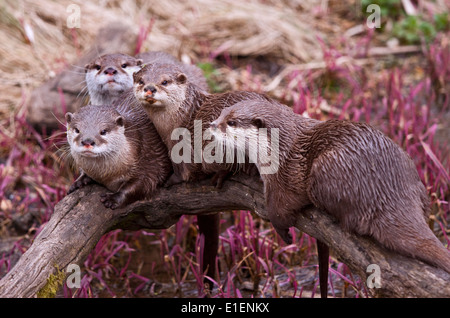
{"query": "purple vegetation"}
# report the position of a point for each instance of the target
(252, 260)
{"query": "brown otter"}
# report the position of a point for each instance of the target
(350, 170)
(118, 147)
(172, 102)
(110, 75)
(116, 70)
(194, 72)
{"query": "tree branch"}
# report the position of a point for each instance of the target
(80, 220)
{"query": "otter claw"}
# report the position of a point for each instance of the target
(79, 183)
(110, 200)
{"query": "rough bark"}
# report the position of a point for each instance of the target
(79, 221)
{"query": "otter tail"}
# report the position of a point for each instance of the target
(420, 243)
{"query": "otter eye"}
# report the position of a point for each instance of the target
(164, 83)
(124, 65)
(97, 67)
(141, 82)
(103, 132)
(231, 123)
(77, 131)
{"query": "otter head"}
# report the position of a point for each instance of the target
(238, 121)
(96, 133)
(239, 127)
(160, 86)
(110, 75)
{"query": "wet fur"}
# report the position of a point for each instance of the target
(208, 224)
(192, 71)
(134, 160)
(102, 93)
(181, 82)
(182, 102)
(349, 170)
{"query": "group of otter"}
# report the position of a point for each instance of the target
(124, 140)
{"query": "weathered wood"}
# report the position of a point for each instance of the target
(80, 220)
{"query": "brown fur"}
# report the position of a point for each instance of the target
(165, 121)
(133, 161)
(195, 73)
(349, 170)
(119, 68)
(183, 104)
(110, 75)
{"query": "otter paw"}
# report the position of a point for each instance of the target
(284, 234)
(172, 180)
(112, 200)
(79, 183)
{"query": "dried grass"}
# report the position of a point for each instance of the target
(35, 42)
(246, 28)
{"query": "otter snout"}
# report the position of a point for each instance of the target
(149, 90)
(110, 71)
(88, 142)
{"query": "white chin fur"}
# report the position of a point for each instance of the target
(157, 103)
(158, 97)
(218, 135)
(91, 153)
(153, 101)
(103, 82)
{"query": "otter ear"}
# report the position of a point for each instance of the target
(258, 123)
(181, 78)
(135, 77)
(119, 121)
(69, 117)
(139, 62)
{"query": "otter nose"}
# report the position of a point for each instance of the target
(150, 88)
(110, 71)
(88, 142)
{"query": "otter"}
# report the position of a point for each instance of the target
(116, 70)
(194, 72)
(172, 100)
(110, 77)
(347, 169)
(118, 147)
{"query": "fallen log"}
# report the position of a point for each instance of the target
(79, 221)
